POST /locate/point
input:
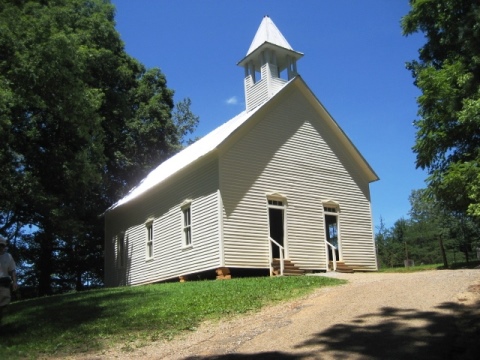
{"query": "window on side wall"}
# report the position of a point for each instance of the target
(187, 224)
(149, 239)
(121, 250)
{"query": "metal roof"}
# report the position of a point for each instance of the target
(269, 37)
(186, 157)
(268, 32)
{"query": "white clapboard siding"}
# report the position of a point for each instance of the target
(162, 204)
(256, 94)
(292, 151)
(265, 88)
(275, 82)
(276, 85)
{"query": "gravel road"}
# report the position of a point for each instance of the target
(423, 315)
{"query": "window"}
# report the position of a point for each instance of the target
(121, 250)
(275, 199)
(149, 233)
(275, 202)
(331, 206)
(187, 225)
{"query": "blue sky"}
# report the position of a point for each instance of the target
(354, 62)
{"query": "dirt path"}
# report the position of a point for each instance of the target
(427, 315)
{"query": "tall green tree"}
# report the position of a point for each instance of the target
(81, 122)
(430, 223)
(448, 75)
(432, 234)
(391, 243)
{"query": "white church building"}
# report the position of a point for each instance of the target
(279, 188)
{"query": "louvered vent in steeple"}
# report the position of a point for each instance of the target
(269, 64)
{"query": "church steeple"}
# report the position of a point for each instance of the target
(268, 57)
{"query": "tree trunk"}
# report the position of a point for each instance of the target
(44, 264)
(78, 281)
(444, 255)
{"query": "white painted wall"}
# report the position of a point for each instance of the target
(170, 260)
(292, 151)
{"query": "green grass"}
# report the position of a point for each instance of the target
(134, 316)
(458, 265)
(411, 268)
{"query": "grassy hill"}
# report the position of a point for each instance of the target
(97, 319)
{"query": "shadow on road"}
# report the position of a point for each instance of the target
(452, 332)
(271, 355)
(405, 334)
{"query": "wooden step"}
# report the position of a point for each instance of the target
(289, 268)
(341, 267)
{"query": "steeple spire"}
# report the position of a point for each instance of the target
(268, 56)
(268, 32)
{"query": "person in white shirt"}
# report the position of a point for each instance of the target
(8, 276)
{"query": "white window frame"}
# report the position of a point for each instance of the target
(121, 250)
(187, 233)
(149, 240)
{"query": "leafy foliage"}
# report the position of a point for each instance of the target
(448, 74)
(433, 234)
(81, 122)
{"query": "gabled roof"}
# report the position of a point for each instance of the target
(268, 32)
(187, 156)
(217, 137)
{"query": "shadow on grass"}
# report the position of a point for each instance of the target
(77, 320)
(133, 316)
(452, 332)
